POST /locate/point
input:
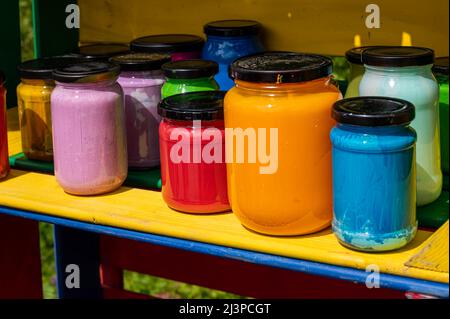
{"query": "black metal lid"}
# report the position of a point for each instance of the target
(396, 56)
(87, 72)
(373, 111)
(441, 66)
(168, 43)
(141, 61)
(44, 67)
(281, 67)
(204, 105)
(190, 69)
(355, 55)
(232, 28)
(102, 51)
(2, 77)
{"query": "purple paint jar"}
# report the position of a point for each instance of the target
(141, 79)
(179, 46)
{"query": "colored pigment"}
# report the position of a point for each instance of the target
(374, 177)
(229, 40)
(90, 152)
(440, 70)
(189, 76)
(4, 164)
(405, 73)
(141, 79)
(179, 46)
(33, 97)
(193, 183)
(292, 94)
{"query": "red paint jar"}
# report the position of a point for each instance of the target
(192, 147)
(4, 164)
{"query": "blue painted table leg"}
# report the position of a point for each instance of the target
(77, 263)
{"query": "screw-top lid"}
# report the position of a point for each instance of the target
(190, 69)
(281, 67)
(168, 43)
(44, 67)
(441, 66)
(204, 105)
(87, 72)
(398, 56)
(373, 111)
(232, 28)
(141, 61)
(355, 55)
(103, 51)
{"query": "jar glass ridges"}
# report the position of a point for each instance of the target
(90, 151)
(192, 140)
(285, 98)
(141, 79)
(189, 76)
(374, 175)
(228, 40)
(405, 73)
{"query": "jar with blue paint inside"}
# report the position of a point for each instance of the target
(374, 173)
(228, 40)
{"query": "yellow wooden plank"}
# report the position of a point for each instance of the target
(432, 256)
(145, 211)
(326, 26)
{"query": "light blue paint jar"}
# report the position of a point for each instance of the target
(405, 73)
(228, 40)
(374, 173)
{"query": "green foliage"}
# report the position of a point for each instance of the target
(26, 30)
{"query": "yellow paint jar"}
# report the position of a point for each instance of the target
(33, 97)
(279, 150)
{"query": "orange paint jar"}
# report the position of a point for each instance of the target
(286, 187)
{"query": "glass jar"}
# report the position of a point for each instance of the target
(179, 46)
(405, 73)
(90, 150)
(192, 141)
(102, 51)
(189, 76)
(141, 79)
(374, 173)
(33, 97)
(4, 164)
(280, 179)
(228, 40)
(440, 70)
(354, 57)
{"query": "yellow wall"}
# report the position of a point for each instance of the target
(321, 26)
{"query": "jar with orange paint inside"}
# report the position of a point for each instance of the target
(278, 152)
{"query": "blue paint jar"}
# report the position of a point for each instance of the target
(227, 41)
(374, 173)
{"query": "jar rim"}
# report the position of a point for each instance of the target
(87, 72)
(281, 67)
(167, 43)
(373, 111)
(398, 56)
(203, 105)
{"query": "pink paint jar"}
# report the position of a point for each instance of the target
(179, 46)
(192, 143)
(141, 79)
(89, 139)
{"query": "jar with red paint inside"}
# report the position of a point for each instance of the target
(192, 147)
(4, 164)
